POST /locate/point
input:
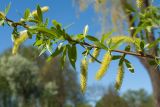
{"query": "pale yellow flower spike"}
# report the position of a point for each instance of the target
(119, 78)
(95, 54)
(104, 66)
(43, 9)
(139, 3)
(18, 41)
(83, 75)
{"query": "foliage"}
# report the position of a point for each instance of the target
(55, 37)
(138, 98)
(130, 98)
(111, 99)
(30, 80)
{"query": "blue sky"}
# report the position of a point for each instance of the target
(64, 12)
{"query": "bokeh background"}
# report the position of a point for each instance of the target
(27, 80)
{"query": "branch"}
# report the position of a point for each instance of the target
(143, 55)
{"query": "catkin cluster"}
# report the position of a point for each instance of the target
(83, 75)
(119, 78)
(104, 66)
(139, 3)
(18, 41)
(95, 54)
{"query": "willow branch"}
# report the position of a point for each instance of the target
(143, 55)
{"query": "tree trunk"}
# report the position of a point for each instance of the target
(153, 71)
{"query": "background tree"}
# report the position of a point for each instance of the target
(130, 98)
(138, 98)
(31, 79)
(111, 99)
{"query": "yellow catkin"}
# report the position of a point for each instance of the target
(2, 15)
(43, 9)
(139, 3)
(95, 54)
(104, 66)
(119, 78)
(83, 75)
(19, 41)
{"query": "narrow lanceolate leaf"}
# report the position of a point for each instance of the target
(119, 78)
(129, 66)
(26, 14)
(7, 8)
(117, 44)
(104, 66)
(19, 41)
(2, 15)
(63, 58)
(39, 13)
(105, 36)
(72, 54)
(154, 43)
(43, 9)
(95, 54)
(115, 57)
(44, 30)
(139, 3)
(55, 53)
(83, 75)
(91, 38)
(125, 39)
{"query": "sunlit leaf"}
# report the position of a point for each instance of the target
(129, 66)
(26, 14)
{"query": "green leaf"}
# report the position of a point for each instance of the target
(128, 48)
(2, 22)
(129, 7)
(38, 42)
(72, 54)
(105, 36)
(142, 45)
(129, 66)
(29, 34)
(7, 8)
(55, 53)
(44, 30)
(55, 23)
(117, 44)
(46, 22)
(154, 43)
(39, 13)
(26, 14)
(115, 57)
(63, 58)
(42, 51)
(100, 45)
(152, 62)
(79, 37)
(91, 38)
